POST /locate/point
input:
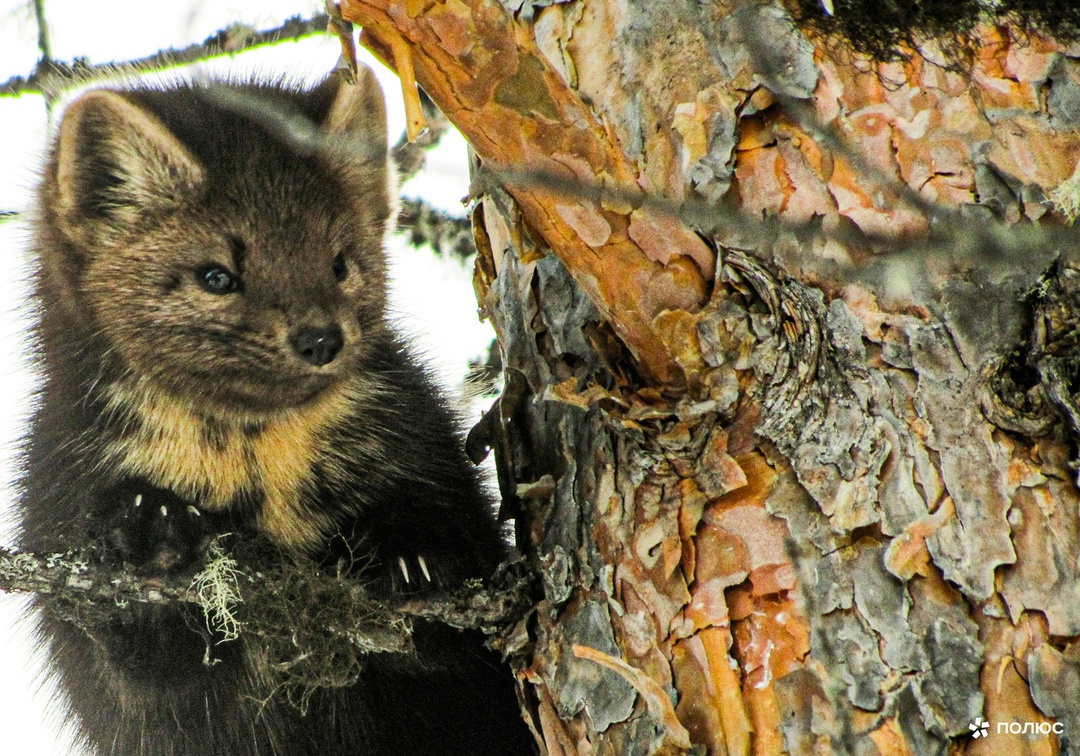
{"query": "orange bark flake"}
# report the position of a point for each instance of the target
(760, 479)
(710, 699)
(763, 183)
(889, 738)
(1007, 696)
(770, 640)
(722, 562)
(450, 23)
(907, 554)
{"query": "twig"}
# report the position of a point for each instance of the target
(996, 242)
(43, 45)
(43, 31)
(51, 77)
(409, 155)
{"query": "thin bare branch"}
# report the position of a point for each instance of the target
(43, 45)
(43, 31)
(51, 77)
(995, 241)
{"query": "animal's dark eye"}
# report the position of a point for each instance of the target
(340, 269)
(217, 280)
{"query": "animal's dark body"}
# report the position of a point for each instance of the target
(216, 358)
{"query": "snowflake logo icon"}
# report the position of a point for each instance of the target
(980, 728)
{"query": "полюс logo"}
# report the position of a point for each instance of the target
(980, 728)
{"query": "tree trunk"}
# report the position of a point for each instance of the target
(789, 421)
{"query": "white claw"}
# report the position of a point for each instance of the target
(164, 511)
(404, 568)
(193, 511)
(423, 568)
(138, 500)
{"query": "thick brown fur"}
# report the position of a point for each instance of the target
(216, 358)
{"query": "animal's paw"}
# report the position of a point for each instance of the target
(156, 530)
(411, 573)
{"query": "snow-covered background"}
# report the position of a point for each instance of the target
(432, 297)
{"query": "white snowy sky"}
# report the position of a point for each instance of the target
(433, 298)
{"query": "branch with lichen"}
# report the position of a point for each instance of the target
(271, 602)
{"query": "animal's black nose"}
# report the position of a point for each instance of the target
(318, 346)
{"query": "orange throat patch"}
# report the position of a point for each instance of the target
(215, 460)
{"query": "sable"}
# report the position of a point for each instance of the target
(217, 360)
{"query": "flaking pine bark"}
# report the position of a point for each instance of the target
(790, 420)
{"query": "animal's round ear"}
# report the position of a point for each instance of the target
(358, 113)
(115, 161)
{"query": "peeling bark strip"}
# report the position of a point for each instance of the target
(488, 75)
(843, 515)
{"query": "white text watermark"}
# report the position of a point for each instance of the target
(980, 728)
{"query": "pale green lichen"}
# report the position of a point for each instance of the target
(217, 589)
(1066, 197)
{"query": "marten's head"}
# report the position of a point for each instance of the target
(223, 244)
